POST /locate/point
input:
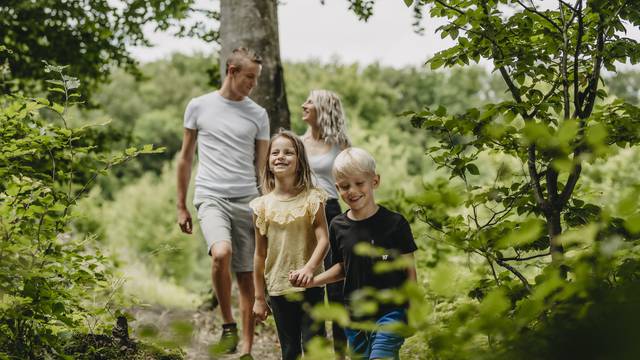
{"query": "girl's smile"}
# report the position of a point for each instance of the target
(283, 159)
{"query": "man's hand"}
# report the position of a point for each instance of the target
(301, 277)
(260, 310)
(184, 220)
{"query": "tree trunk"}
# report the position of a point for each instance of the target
(554, 228)
(254, 24)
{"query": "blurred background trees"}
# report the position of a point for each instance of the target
(485, 291)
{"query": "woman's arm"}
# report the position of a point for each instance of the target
(303, 277)
(260, 308)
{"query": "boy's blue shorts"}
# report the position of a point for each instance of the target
(377, 344)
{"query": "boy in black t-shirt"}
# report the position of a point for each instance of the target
(365, 221)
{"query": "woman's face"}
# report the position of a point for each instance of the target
(309, 114)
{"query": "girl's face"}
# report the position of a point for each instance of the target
(283, 158)
(309, 113)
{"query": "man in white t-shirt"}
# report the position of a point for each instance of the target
(232, 135)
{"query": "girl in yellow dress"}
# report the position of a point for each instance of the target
(291, 243)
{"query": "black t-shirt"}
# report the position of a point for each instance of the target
(385, 229)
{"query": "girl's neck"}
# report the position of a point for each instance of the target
(285, 187)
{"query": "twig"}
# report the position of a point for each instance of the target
(516, 273)
(535, 11)
(518, 258)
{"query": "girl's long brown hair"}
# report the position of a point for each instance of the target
(303, 171)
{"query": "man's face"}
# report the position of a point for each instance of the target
(357, 190)
(245, 79)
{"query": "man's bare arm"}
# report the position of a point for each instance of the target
(185, 161)
(262, 146)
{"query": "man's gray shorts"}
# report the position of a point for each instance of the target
(231, 220)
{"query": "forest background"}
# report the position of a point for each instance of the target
(468, 309)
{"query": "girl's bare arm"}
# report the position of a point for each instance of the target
(303, 276)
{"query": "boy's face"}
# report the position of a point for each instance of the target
(357, 190)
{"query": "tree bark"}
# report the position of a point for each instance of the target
(554, 229)
(254, 24)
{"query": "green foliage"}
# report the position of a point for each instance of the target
(139, 228)
(526, 203)
(549, 129)
(45, 275)
(134, 214)
(89, 36)
(149, 110)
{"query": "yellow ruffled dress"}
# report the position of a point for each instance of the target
(288, 226)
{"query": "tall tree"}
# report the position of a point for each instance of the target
(254, 24)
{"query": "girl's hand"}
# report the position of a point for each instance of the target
(301, 277)
(260, 310)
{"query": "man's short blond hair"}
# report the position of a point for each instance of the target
(238, 57)
(352, 162)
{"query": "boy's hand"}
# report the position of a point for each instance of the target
(301, 277)
(260, 310)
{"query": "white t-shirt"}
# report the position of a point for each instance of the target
(227, 132)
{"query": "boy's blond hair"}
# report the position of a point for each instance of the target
(353, 161)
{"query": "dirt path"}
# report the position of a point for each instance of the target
(195, 331)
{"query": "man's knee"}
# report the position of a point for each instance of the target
(220, 253)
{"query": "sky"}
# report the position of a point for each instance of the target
(310, 30)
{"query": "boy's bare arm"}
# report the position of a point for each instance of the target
(411, 270)
(185, 161)
(333, 274)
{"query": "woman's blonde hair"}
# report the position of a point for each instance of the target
(303, 171)
(331, 119)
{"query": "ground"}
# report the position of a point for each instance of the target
(195, 331)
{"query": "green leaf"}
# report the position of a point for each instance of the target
(473, 169)
(524, 234)
(52, 89)
(442, 279)
(632, 224)
(57, 108)
(331, 312)
(495, 304)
